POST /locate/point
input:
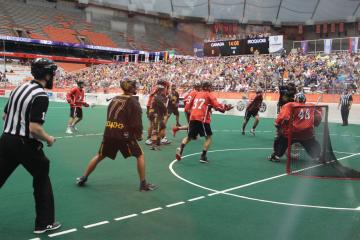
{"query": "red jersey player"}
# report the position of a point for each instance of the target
(76, 100)
(252, 110)
(200, 119)
(305, 119)
(187, 109)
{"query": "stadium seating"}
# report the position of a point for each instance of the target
(63, 22)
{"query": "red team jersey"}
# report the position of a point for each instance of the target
(200, 106)
(188, 99)
(75, 97)
(305, 118)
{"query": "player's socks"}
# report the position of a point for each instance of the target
(174, 130)
(182, 146)
(203, 154)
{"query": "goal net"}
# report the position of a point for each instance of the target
(310, 153)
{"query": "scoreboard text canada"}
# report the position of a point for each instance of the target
(236, 47)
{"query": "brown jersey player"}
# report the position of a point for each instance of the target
(122, 132)
(252, 110)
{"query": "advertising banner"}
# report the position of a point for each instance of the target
(276, 44)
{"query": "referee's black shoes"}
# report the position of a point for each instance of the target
(51, 227)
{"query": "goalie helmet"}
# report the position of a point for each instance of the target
(129, 86)
(300, 97)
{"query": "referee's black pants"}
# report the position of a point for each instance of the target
(16, 150)
(345, 115)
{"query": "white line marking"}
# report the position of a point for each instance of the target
(151, 210)
(125, 217)
(174, 204)
(358, 208)
(215, 192)
(63, 232)
(79, 135)
(96, 224)
(195, 199)
(291, 204)
(35, 239)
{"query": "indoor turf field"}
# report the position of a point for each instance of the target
(239, 195)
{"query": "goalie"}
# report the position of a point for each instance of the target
(297, 119)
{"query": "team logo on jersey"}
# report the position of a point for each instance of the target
(116, 125)
(263, 107)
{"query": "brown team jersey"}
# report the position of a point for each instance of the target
(124, 118)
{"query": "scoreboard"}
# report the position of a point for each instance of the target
(223, 48)
(236, 47)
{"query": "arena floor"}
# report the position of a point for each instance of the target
(239, 195)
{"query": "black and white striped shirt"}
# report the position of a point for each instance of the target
(345, 100)
(27, 103)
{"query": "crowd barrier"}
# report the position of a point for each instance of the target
(268, 108)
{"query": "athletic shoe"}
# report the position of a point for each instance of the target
(178, 154)
(51, 227)
(243, 132)
(274, 158)
(155, 148)
(203, 159)
(178, 124)
(174, 130)
(147, 187)
(80, 181)
(74, 129)
(252, 132)
(165, 141)
(148, 142)
(69, 131)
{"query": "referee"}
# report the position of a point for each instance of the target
(20, 142)
(345, 103)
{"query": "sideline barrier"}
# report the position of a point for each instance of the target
(268, 109)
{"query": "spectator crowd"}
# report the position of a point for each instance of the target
(312, 73)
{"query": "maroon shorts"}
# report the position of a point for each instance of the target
(110, 147)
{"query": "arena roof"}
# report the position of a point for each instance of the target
(247, 11)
